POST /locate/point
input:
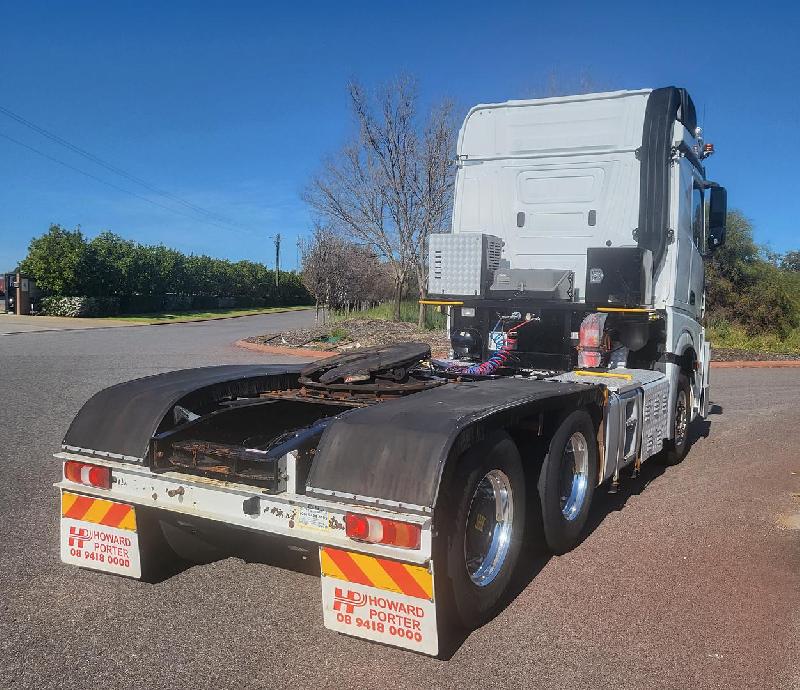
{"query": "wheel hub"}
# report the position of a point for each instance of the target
(680, 418)
(574, 475)
(489, 527)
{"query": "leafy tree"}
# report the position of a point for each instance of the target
(106, 266)
(744, 287)
(56, 259)
(791, 261)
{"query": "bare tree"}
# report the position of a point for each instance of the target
(391, 186)
(434, 190)
(341, 275)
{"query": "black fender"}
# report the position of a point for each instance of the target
(119, 422)
(393, 454)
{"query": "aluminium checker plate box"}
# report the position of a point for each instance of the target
(652, 386)
(462, 264)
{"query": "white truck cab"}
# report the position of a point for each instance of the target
(607, 188)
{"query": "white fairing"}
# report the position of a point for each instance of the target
(554, 160)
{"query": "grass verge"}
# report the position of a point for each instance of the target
(728, 335)
(409, 312)
(182, 316)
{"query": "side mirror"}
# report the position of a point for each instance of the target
(717, 216)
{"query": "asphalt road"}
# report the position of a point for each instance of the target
(689, 578)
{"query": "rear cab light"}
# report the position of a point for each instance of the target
(95, 476)
(375, 530)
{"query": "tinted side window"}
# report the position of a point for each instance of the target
(698, 216)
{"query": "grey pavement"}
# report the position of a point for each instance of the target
(11, 324)
(688, 578)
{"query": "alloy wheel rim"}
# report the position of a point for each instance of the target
(574, 480)
(680, 418)
(489, 526)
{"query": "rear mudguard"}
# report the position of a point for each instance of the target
(119, 422)
(390, 454)
(393, 454)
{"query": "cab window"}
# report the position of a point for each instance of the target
(698, 212)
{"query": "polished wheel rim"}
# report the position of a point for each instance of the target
(574, 475)
(681, 409)
(489, 525)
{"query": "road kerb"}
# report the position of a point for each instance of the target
(757, 364)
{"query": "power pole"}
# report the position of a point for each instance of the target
(277, 257)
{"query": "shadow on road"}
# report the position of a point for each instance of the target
(535, 554)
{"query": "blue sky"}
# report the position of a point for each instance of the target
(231, 105)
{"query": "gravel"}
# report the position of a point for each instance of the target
(355, 333)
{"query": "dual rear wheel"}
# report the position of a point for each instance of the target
(482, 516)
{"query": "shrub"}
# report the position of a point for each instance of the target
(79, 306)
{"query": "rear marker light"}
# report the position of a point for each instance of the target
(375, 530)
(89, 475)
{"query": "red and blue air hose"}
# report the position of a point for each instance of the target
(497, 360)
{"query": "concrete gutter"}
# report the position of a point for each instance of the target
(757, 364)
(303, 352)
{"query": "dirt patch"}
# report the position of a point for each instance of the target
(354, 333)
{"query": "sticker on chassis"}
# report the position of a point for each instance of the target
(99, 534)
(378, 599)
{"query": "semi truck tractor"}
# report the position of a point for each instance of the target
(573, 284)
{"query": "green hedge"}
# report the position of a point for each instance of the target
(153, 278)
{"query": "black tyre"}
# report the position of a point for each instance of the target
(567, 480)
(480, 527)
(676, 448)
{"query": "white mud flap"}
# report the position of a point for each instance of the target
(99, 534)
(379, 599)
(706, 406)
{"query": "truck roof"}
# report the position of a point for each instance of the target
(585, 123)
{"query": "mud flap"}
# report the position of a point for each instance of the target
(379, 599)
(706, 404)
(99, 534)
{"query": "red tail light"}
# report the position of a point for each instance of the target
(589, 359)
(592, 340)
(89, 475)
(591, 332)
(382, 531)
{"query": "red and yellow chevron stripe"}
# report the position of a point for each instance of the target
(98, 511)
(411, 580)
